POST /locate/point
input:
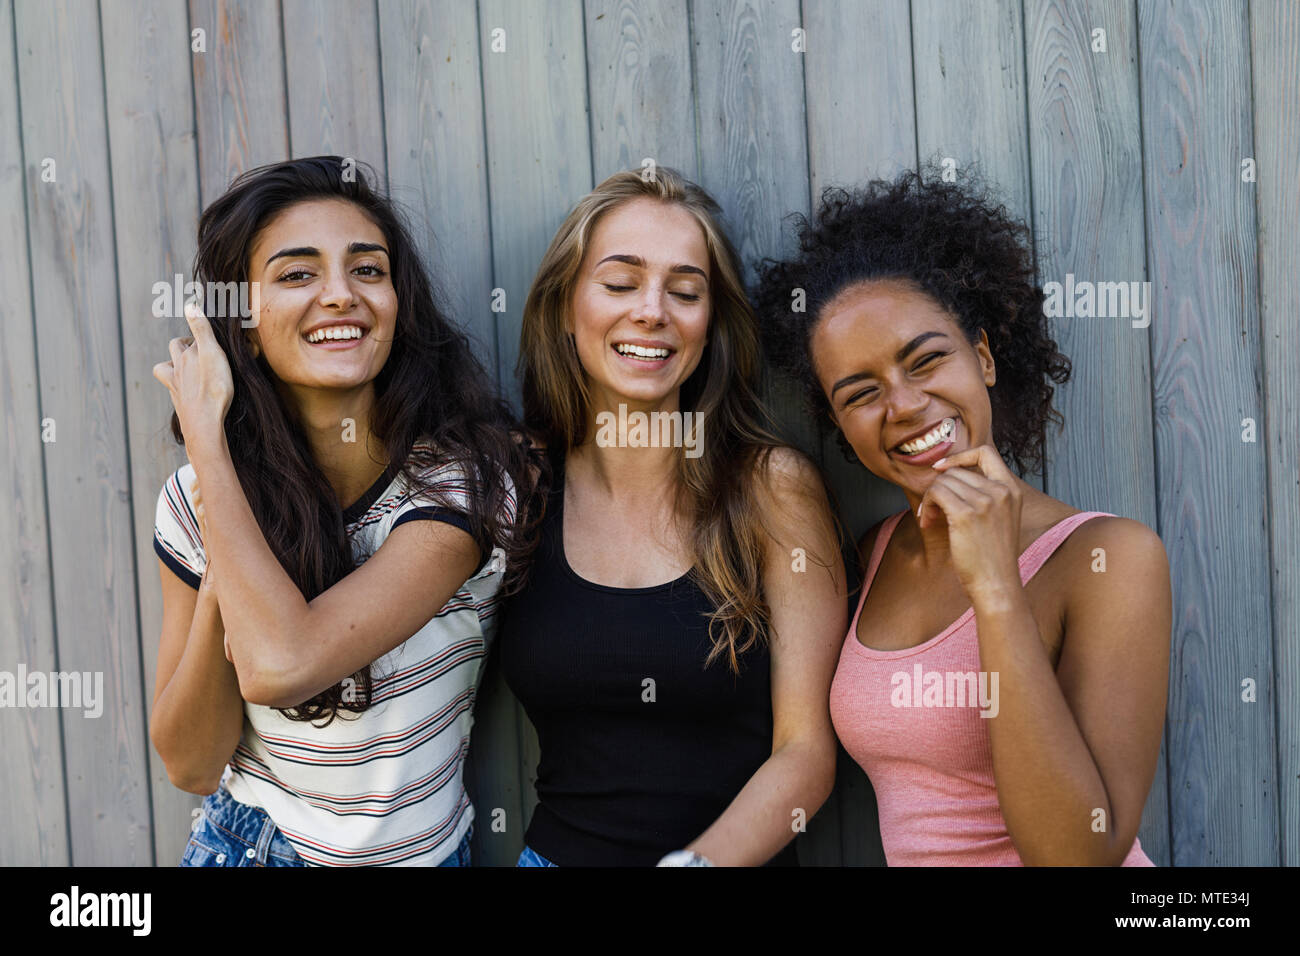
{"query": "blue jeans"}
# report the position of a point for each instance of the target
(531, 857)
(230, 833)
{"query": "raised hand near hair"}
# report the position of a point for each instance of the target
(198, 378)
(978, 497)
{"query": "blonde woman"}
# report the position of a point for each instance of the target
(675, 641)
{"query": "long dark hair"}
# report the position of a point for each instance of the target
(432, 391)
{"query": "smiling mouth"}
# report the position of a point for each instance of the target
(641, 353)
(941, 433)
(338, 336)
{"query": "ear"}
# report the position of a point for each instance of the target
(987, 366)
(254, 346)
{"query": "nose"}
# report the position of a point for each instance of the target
(904, 400)
(336, 292)
(649, 309)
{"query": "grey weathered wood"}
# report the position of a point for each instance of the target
(539, 158)
(1201, 257)
(331, 60)
(238, 90)
(857, 54)
(156, 204)
(639, 84)
(1275, 45)
(754, 160)
(1086, 148)
(489, 151)
(433, 117)
(87, 473)
(539, 165)
(969, 68)
(33, 818)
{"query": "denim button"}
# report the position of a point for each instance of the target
(221, 858)
(250, 853)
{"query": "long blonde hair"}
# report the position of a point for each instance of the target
(719, 488)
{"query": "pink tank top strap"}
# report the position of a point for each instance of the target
(1045, 545)
(886, 531)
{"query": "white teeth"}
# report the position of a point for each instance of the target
(335, 332)
(640, 351)
(941, 432)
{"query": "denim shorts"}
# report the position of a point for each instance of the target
(229, 833)
(531, 857)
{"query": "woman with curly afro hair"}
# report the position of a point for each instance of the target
(1004, 680)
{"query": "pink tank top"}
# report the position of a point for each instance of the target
(931, 766)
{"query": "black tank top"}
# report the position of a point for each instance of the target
(642, 748)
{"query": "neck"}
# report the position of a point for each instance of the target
(625, 473)
(337, 426)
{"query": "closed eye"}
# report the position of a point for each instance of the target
(927, 358)
(864, 393)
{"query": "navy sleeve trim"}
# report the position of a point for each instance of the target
(181, 571)
(439, 514)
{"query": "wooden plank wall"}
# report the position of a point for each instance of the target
(487, 120)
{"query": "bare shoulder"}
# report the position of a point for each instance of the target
(1125, 558)
(791, 497)
(1123, 535)
(786, 476)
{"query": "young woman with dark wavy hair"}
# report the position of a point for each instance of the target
(1003, 682)
(332, 555)
(674, 643)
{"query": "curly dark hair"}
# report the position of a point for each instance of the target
(953, 241)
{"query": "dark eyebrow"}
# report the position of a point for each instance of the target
(313, 252)
(640, 263)
(898, 357)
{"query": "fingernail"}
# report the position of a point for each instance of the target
(939, 462)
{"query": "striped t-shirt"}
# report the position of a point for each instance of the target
(383, 787)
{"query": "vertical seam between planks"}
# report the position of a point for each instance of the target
(916, 116)
(1275, 642)
(691, 67)
(383, 111)
(194, 114)
(1151, 377)
(284, 79)
(586, 93)
(40, 401)
(487, 189)
(126, 432)
(1029, 191)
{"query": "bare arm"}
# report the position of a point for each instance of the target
(1074, 750)
(285, 648)
(198, 714)
(808, 621)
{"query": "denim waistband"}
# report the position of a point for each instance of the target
(250, 826)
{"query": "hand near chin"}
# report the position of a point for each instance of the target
(978, 497)
(198, 378)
